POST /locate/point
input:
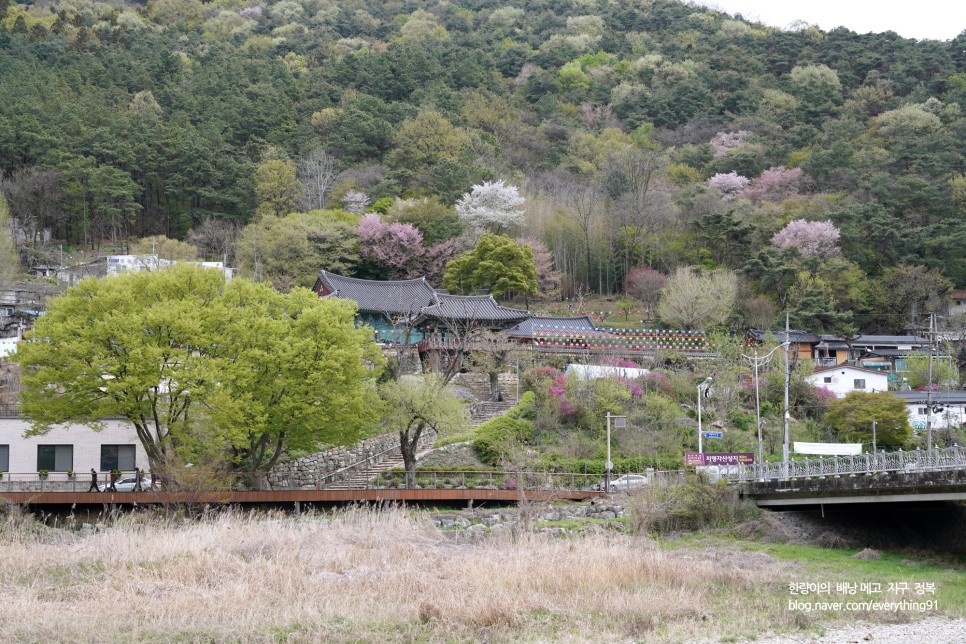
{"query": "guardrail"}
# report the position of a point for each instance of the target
(58, 481)
(909, 462)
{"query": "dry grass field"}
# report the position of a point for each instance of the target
(372, 576)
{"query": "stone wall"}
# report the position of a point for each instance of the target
(317, 469)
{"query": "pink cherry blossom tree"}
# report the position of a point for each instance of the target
(645, 284)
(774, 184)
(729, 185)
(399, 247)
(547, 278)
(724, 142)
(811, 238)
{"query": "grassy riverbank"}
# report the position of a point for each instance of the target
(360, 575)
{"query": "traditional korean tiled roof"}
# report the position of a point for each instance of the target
(471, 307)
(877, 340)
(832, 342)
(393, 297)
(795, 337)
(416, 299)
(528, 327)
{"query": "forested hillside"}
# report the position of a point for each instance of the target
(824, 170)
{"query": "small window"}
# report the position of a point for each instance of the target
(827, 379)
(55, 458)
(4, 458)
(858, 383)
(922, 411)
(117, 457)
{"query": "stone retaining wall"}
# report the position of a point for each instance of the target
(318, 468)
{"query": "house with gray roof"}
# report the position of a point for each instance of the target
(406, 311)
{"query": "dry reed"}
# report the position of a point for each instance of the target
(357, 575)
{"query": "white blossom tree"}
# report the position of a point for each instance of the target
(355, 202)
(492, 207)
(811, 238)
(729, 185)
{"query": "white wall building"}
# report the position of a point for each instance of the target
(117, 264)
(841, 379)
(948, 408)
(593, 371)
(69, 447)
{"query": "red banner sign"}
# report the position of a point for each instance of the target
(726, 458)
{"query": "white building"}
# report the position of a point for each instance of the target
(946, 409)
(68, 447)
(593, 371)
(841, 379)
(117, 264)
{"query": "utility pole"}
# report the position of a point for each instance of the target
(788, 338)
(932, 319)
(702, 391)
(873, 436)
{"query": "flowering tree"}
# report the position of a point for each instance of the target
(355, 202)
(547, 278)
(491, 206)
(774, 184)
(694, 300)
(724, 142)
(400, 248)
(811, 238)
(729, 185)
(645, 284)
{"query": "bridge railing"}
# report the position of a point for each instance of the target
(948, 458)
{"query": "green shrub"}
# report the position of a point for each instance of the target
(501, 437)
(664, 507)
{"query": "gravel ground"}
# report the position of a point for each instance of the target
(932, 630)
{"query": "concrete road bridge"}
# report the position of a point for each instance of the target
(916, 476)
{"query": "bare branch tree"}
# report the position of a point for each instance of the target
(215, 238)
(316, 173)
(639, 201)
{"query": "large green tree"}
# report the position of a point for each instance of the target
(198, 365)
(851, 419)
(498, 265)
(413, 406)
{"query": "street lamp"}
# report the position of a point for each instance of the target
(702, 391)
(758, 362)
(620, 422)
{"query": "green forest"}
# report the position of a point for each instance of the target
(822, 173)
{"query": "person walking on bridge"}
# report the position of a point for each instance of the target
(93, 487)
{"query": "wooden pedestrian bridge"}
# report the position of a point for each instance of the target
(440, 487)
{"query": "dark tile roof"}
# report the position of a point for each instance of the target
(795, 337)
(888, 339)
(897, 353)
(471, 307)
(944, 397)
(832, 341)
(526, 328)
(417, 299)
(400, 297)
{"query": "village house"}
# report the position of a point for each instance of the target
(843, 378)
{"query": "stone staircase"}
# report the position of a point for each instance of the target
(483, 408)
(480, 412)
(362, 475)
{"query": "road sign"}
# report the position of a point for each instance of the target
(714, 434)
